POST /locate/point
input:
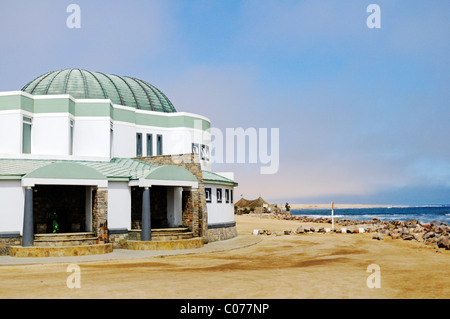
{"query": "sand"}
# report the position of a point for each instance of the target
(289, 266)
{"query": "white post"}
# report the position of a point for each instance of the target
(332, 215)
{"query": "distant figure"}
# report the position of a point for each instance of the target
(288, 208)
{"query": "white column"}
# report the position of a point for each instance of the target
(174, 206)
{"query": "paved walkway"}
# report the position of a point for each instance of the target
(240, 241)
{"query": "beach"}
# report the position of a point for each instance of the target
(312, 265)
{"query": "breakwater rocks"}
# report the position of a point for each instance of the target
(434, 234)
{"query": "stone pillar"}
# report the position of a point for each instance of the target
(146, 234)
(28, 232)
(100, 214)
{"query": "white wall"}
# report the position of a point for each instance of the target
(12, 198)
(91, 137)
(119, 205)
(220, 212)
(10, 133)
(50, 134)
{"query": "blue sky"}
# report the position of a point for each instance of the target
(363, 113)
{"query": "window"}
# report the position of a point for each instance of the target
(26, 137)
(231, 196)
(205, 152)
(159, 144)
(227, 195)
(111, 139)
(71, 137)
(219, 195)
(149, 145)
(138, 144)
(195, 148)
(208, 195)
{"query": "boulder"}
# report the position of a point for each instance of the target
(312, 229)
(435, 223)
(428, 235)
(287, 232)
(408, 237)
(377, 236)
(394, 235)
(300, 230)
(444, 242)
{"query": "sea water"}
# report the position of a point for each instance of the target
(424, 214)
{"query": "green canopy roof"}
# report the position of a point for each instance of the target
(83, 84)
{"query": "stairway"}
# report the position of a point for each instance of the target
(65, 239)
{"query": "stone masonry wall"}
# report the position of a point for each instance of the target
(222, 233)
(100, 215)
(8, 240)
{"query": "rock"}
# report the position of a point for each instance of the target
(321, 230)
(444, 242)
(255, 231)
(377, 236)
(355, 231)
(312, 229)
(428, 235)
(408, 237)
(394, 235)
(435, 223)
(268, 232)
(411, 223)
(277, 233)
(338, 230)
(300, 230)
(261, 232)
(287, 232)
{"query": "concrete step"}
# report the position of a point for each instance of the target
(191, 243)
(164, 234)
(65, 239)
(84, 250)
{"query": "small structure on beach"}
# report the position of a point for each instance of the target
(258, 206)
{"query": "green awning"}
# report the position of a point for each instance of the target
(66, 171)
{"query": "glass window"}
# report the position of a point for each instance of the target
(111, 139)
(195, 148)
(26, 137)
(208, 195)
(159, 144)
(138, 144)
(205, 152)
(71, 138)
(219, 195)
(149, 145)
(231, 196)
(227, 195)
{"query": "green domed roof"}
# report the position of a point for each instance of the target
(82, 84)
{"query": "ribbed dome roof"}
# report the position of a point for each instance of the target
(82, 84)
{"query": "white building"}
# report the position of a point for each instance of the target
(87, 152)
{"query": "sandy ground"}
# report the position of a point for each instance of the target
(294, 266)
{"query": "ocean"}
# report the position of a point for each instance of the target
(422, 213)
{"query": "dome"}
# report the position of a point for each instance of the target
(82, 84)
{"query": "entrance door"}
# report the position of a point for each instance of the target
(59, 209)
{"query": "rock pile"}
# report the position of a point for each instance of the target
(434, 233)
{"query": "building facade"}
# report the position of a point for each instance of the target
(107, 156)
